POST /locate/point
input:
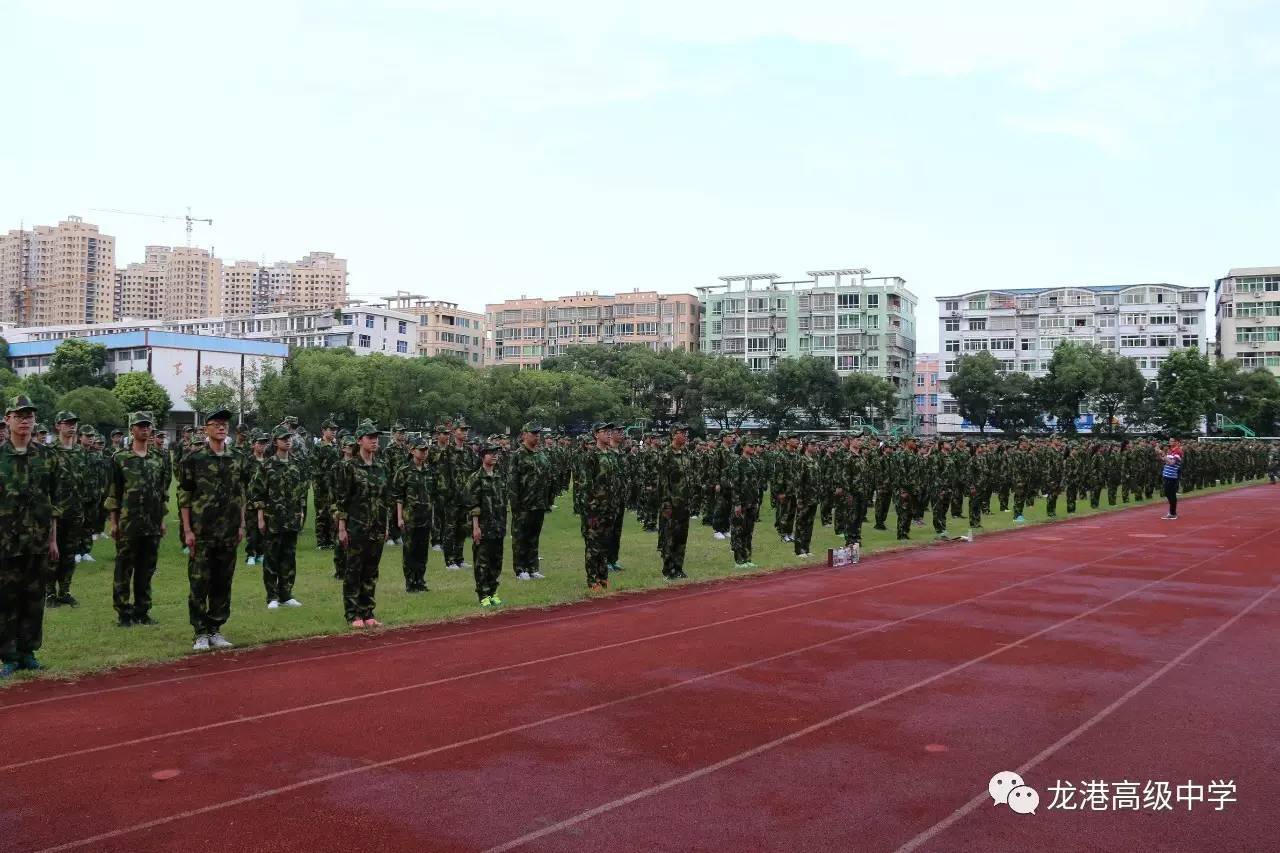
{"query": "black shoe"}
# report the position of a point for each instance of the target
(52, 601)
(124, 621)
(144, 619)
(29, 662)
(880, 527)
(681, 574)
(68, 599)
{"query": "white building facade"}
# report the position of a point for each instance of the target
(1021, 328)
(1247, 317)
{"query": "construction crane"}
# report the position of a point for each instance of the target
(188, 217)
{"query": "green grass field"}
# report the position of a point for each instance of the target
(85, 638)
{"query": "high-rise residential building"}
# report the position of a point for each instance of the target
(444, 328)
(317, 281)
(172, 283)
(57, 274)
(243, 289)
(1021, 327)
(926, 393)
(857, 322)
(525, 331)
(1247, 317)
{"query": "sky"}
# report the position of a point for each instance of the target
(474, 151)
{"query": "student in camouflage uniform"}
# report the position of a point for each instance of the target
(440, 461)
(1049, 462)
(904, 474)
(783, 486)
(98, 475)
(1273, 463)
(678, 490)
(881, 467)
(960, 459)
(486, 502)
(805, 488)
(137, 501)
(278, 498)
(602, 486)
(31, 501)
(979, 484)
(647, 480)
(347, 443)
(324, 461)
(1074, 474)
(395, 456)
(362, 495)
(414, 486)
(743, 485)
(453, 482)
(254, 541)
(211, 501)
(78, 481)
(528, 474)
(181, 446)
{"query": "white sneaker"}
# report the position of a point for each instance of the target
(250, 561)
(464, 565)
(201, 644)
(436, 548)
(273, 605)
(538, 576)
(805, 556)
(522, 576)
(293, 602)
(717, 535)
(453, 567)
(77, 558)
(186, 552)
(87, 558)
(220, 642)
(95, 536)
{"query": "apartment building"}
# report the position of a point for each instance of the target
(1247, 317)
(926, 393)
(524, 331)
(857, 322)
(171, 283)
(443, 328)
(1021, 327)
(62, 273)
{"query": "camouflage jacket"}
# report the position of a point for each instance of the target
(362, 496)
(486, 496)
(211, 489)
(324, 464)
(747, 481)
(529, 474)
(678, 485)
(31, 497)
(139, 492)
(603, 481)
(279, 488)
(78, 477)
(414, 487)
(805, 480)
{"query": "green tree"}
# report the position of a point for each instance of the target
(873, 399)
(1249, 397)
(77, 364)
(96, 406)
(1187, 391)
(805, 388)
(1074, 374)
(730, 391)
(1017, 405)
(42, 395)
(4, 352)
(1119, 392)
(138, 391)
(975, 385)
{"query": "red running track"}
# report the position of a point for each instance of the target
(862, 708)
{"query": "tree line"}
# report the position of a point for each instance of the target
(1086, 378)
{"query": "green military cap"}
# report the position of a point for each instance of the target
(329, 423)
(261, 435)
(603, 425)
(119, 431)
(20, 403)
(398, 426)
(64, 416)
(531, 427)
(348, 441)
(679, 427)
(218, 415)
(281, 432)
(344, 433)
(188, 429)
(136, 419)
(442, 427)
(41, 428)
(366, 428)
(85, 429)
(492, 448)
(460, 423)
(291, 420)
(417, 443)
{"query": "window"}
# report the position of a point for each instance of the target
(1107, 299)
(1002, 343)
(1191, 342)
(758, 364)
(1053, 322)
(1105, 321)
(824, 324)
(368, 321)
(717, 327)
(402, 346)
(949, 367)
(951, 305)
(873, 321)
(978, 325)
(951, 346)
(1130, 341)
(717, 308)
(650, 328)
(1106, 343)
(919, 380)
(1163, 320)
(978, 304)
(848, 321)
(847, 300)
(824, 301)
(933, 399)
(950, 407)
(824, 341)
(873, 361)
(848, 362)
(873, 300)
(1164, 341)
(364, 341)
(404, 327)
(1079, 322)
(951, 325)
(975, 344)
(122, 355)
(1190, 298)
(758, 304)
(650, 309)
(920, 398)
(758, 324)
(757, 344)
(780, 345)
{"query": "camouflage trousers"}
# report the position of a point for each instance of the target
(741, 527)
(942, 501)
(615, 535)
(903, 510)
(882, 510)
(526, 532)
(70, 543)
(280, 569)
(254, 542)
(455, 529)
(1020, 495)
(1071, 497)
(957, 503)
(802, 533)
(976, 503)
(360, 576)
(676, 537)
(135, 566)
(595, 539)
(417, 545)
(1051, 500)
(326, 531)
(486, 563)
(22, 593)
(210, 570)
(723, 513)
(1003, 495)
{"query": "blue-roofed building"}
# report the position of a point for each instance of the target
(178, 362)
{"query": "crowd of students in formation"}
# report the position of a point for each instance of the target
(431, 492)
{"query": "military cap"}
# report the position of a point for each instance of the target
(603, 425)
(135, 419)
(679, 427)
(41, 428)
(329, 423)
(292, 420)
(344, 433)
(87, 429)
(281, 432)
(398, 426)
(261, 435)
(492, 448)
(460, 423)
(64, 416)
(118, 431)
(442, 427)
(218, 415)
(20, 403)
(532, 427)
(348, 440)
(188, 429)
(418, 442)
(366, 428)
